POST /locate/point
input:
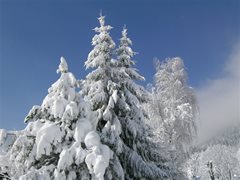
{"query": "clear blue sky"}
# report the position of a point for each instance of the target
(34, 34)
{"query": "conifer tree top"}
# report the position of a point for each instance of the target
(102, 20)
(63, 66)
(103, 28)
(124, 38)
(124, 32)
(103, 44)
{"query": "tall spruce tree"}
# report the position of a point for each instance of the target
(100, 90)
(116, 98)
(139, 157)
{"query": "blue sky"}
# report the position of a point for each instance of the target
(34, 34)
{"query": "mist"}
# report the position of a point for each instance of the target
(219, 98)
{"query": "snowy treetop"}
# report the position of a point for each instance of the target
(103, 28)
(63, 66)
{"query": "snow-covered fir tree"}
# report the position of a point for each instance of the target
(97, 83)
(141, 151)
(52, 145)
(100, 91)
(113, 94)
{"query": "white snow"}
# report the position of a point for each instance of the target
(71, 111)
(58, 107)
(92, 139)
(66, 159)
(83, 126)
(59, 175)
(115, 96)
(33, 127)
(98, 159)
(80, 155)
(50, 134)
(63, 67)
(107, 115)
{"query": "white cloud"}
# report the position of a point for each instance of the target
(219, 99)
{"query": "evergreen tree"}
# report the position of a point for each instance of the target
(96, 83)
(100, 90)
(50, 147)
(139, 151)
(116, 98)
